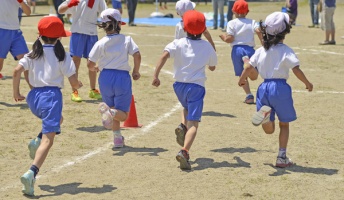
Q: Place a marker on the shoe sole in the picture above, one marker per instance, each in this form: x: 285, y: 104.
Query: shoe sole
x: 284, y: 165
x: 258, y: 117
x: 180, y: 136
x: 183, y: 163
x: 27, y: 186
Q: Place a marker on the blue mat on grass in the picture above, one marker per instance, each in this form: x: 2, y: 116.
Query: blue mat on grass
x: 161, y: 21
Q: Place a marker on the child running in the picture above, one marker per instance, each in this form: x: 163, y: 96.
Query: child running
x: 12, y: 39
x: 240, y: 35
x: 84, y: 36
x: 47, y: 65
x: 111, y: 54
x: 191, y: 55
x: 181, y: 7
x: 274, y: 95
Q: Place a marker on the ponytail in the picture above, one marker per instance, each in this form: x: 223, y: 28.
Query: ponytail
x: 37, y: 48
x: 59, y: 51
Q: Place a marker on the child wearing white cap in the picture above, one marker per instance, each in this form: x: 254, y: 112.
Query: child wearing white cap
x: 12, y: 39
x: 274, y: 96
x: 191, y: 55
x: 47, y: 65
x: 111, y: 53
x: 181, y: 7
x: 84, y: 36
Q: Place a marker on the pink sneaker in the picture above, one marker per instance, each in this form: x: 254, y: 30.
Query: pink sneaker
x: 118, y: 142
x: 107, y: 115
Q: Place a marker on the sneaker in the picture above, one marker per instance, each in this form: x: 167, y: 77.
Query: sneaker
x: 249, y: 99
x: 95, y: 94
x: 33, y: 146
x: 183, y: 158
x: 262, y: 116
x: 75, y: 96
x: 284, y: 162
x: 118, y: 141
x: 1, y: 77
x: 180, y: 133
x: 28, y: 181
x: 107, y: 115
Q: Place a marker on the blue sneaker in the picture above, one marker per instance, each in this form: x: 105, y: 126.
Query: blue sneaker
x: 28, y: 181
x: 33, y: 146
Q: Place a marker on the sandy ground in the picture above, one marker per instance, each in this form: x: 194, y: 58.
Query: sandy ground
x: 231, y: 159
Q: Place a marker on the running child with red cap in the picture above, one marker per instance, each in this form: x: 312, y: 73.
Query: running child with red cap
x: 47, y: 65
x: 191, y: 56
x: 111, y: 53
x: 12, y: 39
x: 274, y: 96
x: 240, y: 35
x: 84, y: 36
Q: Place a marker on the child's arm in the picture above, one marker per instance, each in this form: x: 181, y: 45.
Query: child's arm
x: 74, y: 82
x: 301, y: 76
x: 26, y: 8
x: 159, y: 65
x: 137, y: 62
x: 92, y: 66
x: 227, y: 38
x: 260, y: 35
x: 209, y: 38
x: 16, y: 82
x: 250, y: 72
x: 64, y: 7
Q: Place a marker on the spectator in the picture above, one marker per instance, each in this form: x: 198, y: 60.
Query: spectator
x: 131, y: 5
x: 57, y: 3
x: 328, y: 9
x: 230, y: 12
x: 313, y: 4
x: 218, y: 6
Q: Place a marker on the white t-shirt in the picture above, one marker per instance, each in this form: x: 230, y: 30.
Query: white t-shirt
x: 180, y: 33
x: 85, y: 18
x: 243, y: 31
x: 190, y: 59
x: 275, y: 62
x: 47, y: 70
x: 111, y: 52
x: 9, y: 14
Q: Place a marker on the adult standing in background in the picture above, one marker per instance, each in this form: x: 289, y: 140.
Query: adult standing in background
x: 218, y: 6
x: 328, y: 26
x: 230, y: 12
x: 131, y: 5
x: 57, y: 3
x: 313, y: 4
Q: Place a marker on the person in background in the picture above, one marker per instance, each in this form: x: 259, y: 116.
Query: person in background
x: 313, y: 4
x: 131, y: 5
x: 230, y: 4
x: 328, y: 8
x: 291, y: 6
x: 218, y: 6
x: 116, y: 4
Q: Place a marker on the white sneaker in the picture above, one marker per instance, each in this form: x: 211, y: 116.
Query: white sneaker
x: 107, y: 115
x: 28, y: 182
x: 33, y: 146
x: 262, y: 116
x: 284, y: 162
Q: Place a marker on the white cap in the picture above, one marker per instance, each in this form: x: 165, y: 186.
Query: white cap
x: 276, y: 23
x: 184, y: 5
x: 113, y: 13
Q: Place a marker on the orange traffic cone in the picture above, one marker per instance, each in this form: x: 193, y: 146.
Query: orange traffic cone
x: 131, y: 121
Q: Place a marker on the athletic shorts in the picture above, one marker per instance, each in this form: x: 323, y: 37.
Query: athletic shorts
x: 116, y: 4
x: 46, y: 103
x: 327, y: 18
x: 239, y: 51
x: 115, y: 87
x: 81, y: 44
x: 276, y: 93
x: 12, y: 41
x: 191, y: 97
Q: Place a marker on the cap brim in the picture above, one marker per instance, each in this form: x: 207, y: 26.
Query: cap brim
x: 123, y: 23
x: 68, y: 33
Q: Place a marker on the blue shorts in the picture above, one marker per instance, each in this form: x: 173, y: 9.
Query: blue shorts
x: 191, y: 97
x: 12, y: 41
x: 239, y: 51
x: 81, y: 44
x: 116, y: 4
x: 46, y: 104
x: 115, y: 87
x: 276, y: 93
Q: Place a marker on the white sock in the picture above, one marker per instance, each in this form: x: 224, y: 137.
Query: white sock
x: 117, y: 133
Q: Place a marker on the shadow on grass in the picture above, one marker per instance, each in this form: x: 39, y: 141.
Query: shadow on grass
x: 205, y: 163
x: 19, y: 105
x: 301, y: 169
x: 141, y: 151
x: 235, y: 150
x: 72, y: 188
x: 92, y: 129
x: 216, y: 114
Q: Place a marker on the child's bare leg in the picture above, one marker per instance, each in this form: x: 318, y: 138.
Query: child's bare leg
x: 43, y: 149
x: 120, y: 116
x: 77, y: 61
x: 284, y: 134
x: 269, y: 127
x: 190, y: 134
x: 246, y: 88
x: 184, y: 114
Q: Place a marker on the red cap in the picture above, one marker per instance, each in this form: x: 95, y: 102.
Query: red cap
x: 194, y: 22
x: 52, y: 27
x: 240, y: 7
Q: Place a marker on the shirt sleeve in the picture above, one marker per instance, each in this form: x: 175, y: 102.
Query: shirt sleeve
x: 171, y: 48
x: 254, y: 59
x: 291, y: 59
x: 68, y: 68
x: 213, y: 57
x: 95, y: 53
x: 25, y: 62
x: 102, y: 6
x: 230, y: 28
x: 132, y: 47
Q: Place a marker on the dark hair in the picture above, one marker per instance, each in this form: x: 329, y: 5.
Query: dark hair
x: 194, y: 37
x: 112, y: 25
x: 270, y: 40
x: 37, y: 48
